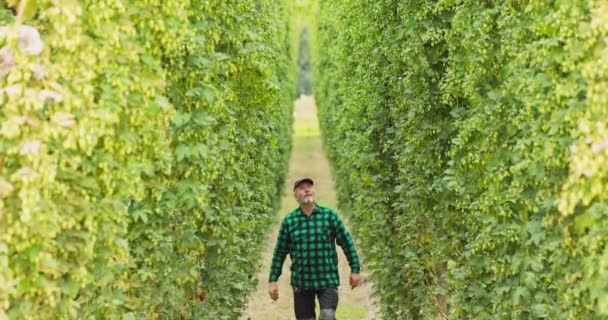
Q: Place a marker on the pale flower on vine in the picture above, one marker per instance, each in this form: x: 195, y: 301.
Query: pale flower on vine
x: 38, y: 72
x: 63, y: 119
x: 599, y: 146
x: 25, y: 172
x: 30, y: 147
x: 25, y: 120
x: 6, y: 61
x: 11, y: 91
x: 50, y: 96
x: 5, y: 187
x: 28, y: 39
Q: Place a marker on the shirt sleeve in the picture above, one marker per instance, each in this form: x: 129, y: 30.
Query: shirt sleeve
x: 344, y: 240
x: 281, y: 249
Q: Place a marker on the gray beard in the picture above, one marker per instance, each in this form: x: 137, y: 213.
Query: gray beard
x: 308, y: 200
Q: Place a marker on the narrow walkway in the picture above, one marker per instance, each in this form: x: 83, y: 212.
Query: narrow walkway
x: 308, y: 159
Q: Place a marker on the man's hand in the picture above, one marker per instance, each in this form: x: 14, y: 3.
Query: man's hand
x: 273, y: 290
x: 355, y: 280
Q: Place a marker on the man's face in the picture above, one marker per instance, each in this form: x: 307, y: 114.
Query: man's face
x: 304, y: 193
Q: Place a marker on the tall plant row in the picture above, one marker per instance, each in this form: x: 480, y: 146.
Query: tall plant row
x: 469, y: 143
x: 143, y: 148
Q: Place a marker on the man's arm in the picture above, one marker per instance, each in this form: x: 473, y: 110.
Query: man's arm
x: 344, y: 240
x: 281, y: 250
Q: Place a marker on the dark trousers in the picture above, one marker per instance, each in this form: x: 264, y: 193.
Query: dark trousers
x: 304, y: 303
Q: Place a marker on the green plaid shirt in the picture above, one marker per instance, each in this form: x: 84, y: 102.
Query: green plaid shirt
x: 311, y: 243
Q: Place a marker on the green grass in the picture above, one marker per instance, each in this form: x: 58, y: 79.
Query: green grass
x: 348, y: 312
x: 306, y: 129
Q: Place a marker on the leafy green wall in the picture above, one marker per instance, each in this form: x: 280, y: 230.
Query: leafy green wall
x: 143, y: 149
x: 468, y: 140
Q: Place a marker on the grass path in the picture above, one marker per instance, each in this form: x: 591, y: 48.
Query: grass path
x: 308, y: 159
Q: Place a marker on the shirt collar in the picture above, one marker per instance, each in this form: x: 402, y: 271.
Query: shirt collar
x: 316, y: 209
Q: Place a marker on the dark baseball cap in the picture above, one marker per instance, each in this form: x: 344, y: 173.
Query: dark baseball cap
x: 297, y: 183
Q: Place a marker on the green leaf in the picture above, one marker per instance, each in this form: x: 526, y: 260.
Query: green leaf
x: 182, y: 152
x: 582, y: 223
x: 540, y: 310
x: 181, y: 119
x: 141, y: 215
x: 202, y: 150
x: 203, y: 118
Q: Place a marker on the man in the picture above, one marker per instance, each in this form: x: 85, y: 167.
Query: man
x: 309, y: 235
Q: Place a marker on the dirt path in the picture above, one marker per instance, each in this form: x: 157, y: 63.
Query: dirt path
x: 308, y: 159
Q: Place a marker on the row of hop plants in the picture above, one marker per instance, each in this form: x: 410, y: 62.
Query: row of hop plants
x: 143, y: 148
x: 469, y: 142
